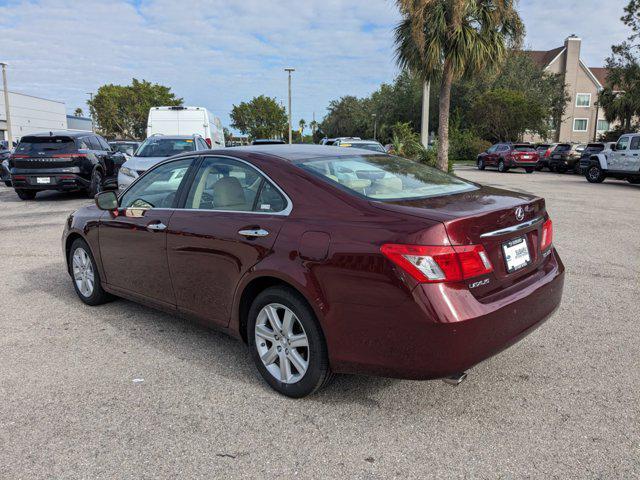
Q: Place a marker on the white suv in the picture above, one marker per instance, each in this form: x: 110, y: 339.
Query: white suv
x: 621, y: 162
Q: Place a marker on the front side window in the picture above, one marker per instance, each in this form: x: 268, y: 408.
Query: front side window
x: 158, y: 188
x: 385, y: 177
x: 623, y: 143
x: 165, y: 147
x: 580, y: 124
x: 229, y: 185
x: 583, y: 100
x: 635, y: 143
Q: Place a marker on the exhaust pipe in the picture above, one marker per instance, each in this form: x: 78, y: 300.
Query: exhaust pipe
x: 455, y: 379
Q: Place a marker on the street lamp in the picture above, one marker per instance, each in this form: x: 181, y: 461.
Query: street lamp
x: 289, y: 70
x: 375, y: 125
x: 6, y: 104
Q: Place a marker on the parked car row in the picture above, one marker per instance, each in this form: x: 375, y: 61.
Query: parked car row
x: 597, y: 160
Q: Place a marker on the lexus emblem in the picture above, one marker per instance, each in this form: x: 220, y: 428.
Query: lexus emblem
x: 519, y: 213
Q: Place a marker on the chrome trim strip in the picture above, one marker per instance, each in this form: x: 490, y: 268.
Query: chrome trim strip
x: 514, y: 228
x: 284, y: 213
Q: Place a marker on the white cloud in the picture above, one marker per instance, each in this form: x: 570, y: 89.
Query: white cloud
x: 216, y: 53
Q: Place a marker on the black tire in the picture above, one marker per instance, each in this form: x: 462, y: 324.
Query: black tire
x: 576, y: 168
x: 7, y: 183
x: 634, y: 181
x: 529, y: 170
x: 539, y: 168
x: 26, y: 194
x: 561, y: 169
x: 98, y: 296
x: 480, y: 164
x: 594, y: 174
x: 96, y: 183
x: 502, y: 168
x: 552, y: 168
x: 318, y: 372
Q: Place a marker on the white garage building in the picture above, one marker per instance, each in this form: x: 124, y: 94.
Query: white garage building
x: 31, y: 114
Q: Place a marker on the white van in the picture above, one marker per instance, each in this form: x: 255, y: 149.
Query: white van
x: 186, y: 121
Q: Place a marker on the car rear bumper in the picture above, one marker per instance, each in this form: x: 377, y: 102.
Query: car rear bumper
x: 445, y: 330
x: 28, y: 180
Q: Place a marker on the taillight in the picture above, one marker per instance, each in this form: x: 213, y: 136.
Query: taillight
x: 69, y: 155
x: 547, y: 153
x: 208, y: 140
x: 547, y: 235
x: 428, y: 264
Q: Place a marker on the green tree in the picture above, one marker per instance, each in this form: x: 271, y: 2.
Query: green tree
x: 347, y: 117
x: 448, y: 39
x: 122, y: 110
x: 302, y: 124
x: 620, y: 97
x: 78, y: 112
x: 505, y: 115
x: 261, y: 117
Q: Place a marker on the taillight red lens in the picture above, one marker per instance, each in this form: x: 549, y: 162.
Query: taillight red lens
x: 428, y: 264
x: 208, y: 140
x: 547, y: 235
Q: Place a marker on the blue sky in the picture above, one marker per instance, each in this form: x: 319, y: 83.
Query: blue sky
x: 217, y: 53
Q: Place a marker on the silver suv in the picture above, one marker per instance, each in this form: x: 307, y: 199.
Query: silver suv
x: 155, y: 149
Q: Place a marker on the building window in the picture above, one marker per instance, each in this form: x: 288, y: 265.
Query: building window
x: 583, y: 100
x: 580, y: 124
x: 603, y: 126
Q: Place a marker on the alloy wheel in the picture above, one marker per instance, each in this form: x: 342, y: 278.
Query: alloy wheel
x: 83, y: 273
x: 594, y: 173
x: 282, y: 343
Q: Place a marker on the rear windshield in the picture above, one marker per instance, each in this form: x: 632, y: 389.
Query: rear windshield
x: 45, y: 146
x: 385, y: 177
x: 524, y: 148
x: 165, y: 147
x: 563, y: 147
x: 595, y: 147
x: 543, y: 147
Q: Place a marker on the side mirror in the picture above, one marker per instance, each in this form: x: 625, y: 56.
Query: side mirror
x: 107, y: 201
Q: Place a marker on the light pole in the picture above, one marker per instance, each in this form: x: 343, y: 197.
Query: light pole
x: 424, y: 129
x: 375, y: 125
x: 6, y: 104
x: 91, y: 114
x: 289, y: 70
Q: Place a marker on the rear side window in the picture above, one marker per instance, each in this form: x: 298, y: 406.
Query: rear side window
x: 385, y: 177
x: 563, y: 147
x: 45, y: 146
x: 103, y: 144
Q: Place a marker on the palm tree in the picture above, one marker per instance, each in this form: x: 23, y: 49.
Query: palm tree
x: 447, y: 39
x: 302, y: 124
x: 78, y: 112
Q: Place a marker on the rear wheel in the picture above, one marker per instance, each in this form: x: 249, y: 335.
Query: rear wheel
x: 84, y: 273
x: 561, y: 168
x: 480, y: 164
x: 502, y: 168
x: 7, y: 183
x: 286, y: 343
x: 96, y: 184
x: 26, y: 194
x: 595, y: 174
x: 529, y: 170
x: 634, y: 181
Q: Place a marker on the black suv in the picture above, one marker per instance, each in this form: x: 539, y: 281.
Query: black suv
x: 63, y: 160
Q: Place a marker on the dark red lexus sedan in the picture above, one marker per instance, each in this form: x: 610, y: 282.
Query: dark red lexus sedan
x: 325, y: 259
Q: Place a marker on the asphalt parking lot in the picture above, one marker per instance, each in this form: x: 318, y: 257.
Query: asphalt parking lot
x: 123, y: 391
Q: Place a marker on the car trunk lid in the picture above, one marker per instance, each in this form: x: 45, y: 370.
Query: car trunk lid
x: 490, y: 217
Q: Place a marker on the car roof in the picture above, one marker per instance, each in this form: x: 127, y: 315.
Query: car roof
x: 61, y: 133
x: 172, y: 137
x: 292, y: 153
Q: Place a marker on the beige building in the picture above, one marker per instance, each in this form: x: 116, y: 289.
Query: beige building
x: 583, y: 121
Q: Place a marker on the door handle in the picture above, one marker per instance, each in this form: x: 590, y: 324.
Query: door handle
x: 156, y: 227
x: 260, y: 232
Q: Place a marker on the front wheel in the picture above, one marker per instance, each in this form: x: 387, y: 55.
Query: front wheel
x: 286, y: 343
x: 480, y: 164
x: 502, y: 168
x: 26, y: 194
x: 84, y: 273
x: 595, y: 174
x: 8, y: 183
